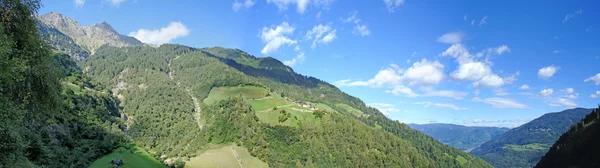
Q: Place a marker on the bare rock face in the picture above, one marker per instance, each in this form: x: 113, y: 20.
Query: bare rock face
x: 88, y: 37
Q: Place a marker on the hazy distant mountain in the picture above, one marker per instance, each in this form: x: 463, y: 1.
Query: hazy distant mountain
x: 524, y: 146
x: 89, y: 38
x: 462, y: 137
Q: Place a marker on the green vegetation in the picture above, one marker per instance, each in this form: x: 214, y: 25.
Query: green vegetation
x: 132, y: 157
x: 578, y: 147
x: 349, y: 109
x: 461, y: 137
x: 225, y: 157
x: 248, y: 92
x: 527, y: 147
x: 43, y: 124
x: 522, y: 146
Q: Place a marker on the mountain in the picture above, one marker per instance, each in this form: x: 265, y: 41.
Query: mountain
x: 525, y: 145
x: 88, y: 38
x: 577, y: 147
x: 462, y: 137
x: 180, y: 105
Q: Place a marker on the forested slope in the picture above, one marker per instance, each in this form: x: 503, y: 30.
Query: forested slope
x: 525, y: 145
x: 578, y: 147
x: 458, y: 136
x: 157, y: 86
x: 49, y: 117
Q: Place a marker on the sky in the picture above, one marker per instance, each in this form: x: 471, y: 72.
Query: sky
x: 475, y: 63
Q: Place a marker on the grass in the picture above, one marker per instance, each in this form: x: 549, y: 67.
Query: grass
x: 352, y: 110
x: 224, y: 157
x: 458, y: 158
x: 249, y: 92
x: 268, y: 103
x: 527, y: 147
x: 76, y: 89
x: 135, y: 157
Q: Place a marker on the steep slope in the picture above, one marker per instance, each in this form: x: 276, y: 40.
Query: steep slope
x: 577, y: 147
x: 524, y: 146
x: 61, y: 42
x: 89, y: 38
x: 156, y: 87
x: 458, y: 136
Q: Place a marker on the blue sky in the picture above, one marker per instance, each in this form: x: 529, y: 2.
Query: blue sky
x: 493, y: 63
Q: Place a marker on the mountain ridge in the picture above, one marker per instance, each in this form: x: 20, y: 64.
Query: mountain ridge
x: 462, y: 137
x: 523, y: 146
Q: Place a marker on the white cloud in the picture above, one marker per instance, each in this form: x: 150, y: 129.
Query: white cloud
x: 359, y: 29
x: 524, y: 87
x: 318, y: 15
x: 480, y: 72
x: 563, y: 102
x: 391, y: 5
x: 546, y: 92
x: 296, y: 60
x: 547, y: 72
x: 276, y: 37
x: 163, y: 35
x: 424, y: 73
x: 595, y: 95
x: 451, y: 38
x: 440, y: 105
x: 321, y: 34
x: 445, y: 93
x: 403, y: 90
x: 497, y: 102
x: 571, y: 15
x: 384, y: 108
x: 483, y: 21
x: 473, y: 22
x: 237, y: 5
x: 301, y: 5
x: 569, y: 90
x: 594, y: 79
x: 116, y: 2
x: 297, y: 48
x: 79, y: 3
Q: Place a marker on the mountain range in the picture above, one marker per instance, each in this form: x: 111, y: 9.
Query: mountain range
x: 462, y: 137
x: 523, y: 146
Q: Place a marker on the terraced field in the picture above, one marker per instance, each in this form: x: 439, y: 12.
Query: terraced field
x: 225, y: 157
x: 132, y: 158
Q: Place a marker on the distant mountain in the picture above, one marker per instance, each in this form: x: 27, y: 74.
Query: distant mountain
x: 462, y: 137
x: 578, y: 147
x: 88, y: 38
x: 524, y: 146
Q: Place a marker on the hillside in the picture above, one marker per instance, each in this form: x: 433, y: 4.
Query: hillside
x: 577, y: 147
x: 160, y: 90
x: 462, y: 137
x: 525, y: 145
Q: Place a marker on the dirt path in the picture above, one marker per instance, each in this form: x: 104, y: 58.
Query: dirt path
x: 264, y: 98
x: 237, y: 156
x: 196, y: 108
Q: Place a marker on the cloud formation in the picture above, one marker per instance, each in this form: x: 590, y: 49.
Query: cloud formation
x: 497, y: 102
x: 116, y: 2
x: 391, y: 5
x: 79, y: 3
x: 451, y: 38
x: 546, y: 92
x: 440, y: 105
x: 301, y: 5
x: 595, y: 95
x: 237, y: 5
x: 593, y: 79
x: 384, y: 108
x: 547, y: 72
x: 571, y: 15
x: 321, y: 34
x: 359, y: 29
x: 163, y: 35
x: 275, y: 37
x: 478, y: 71
x: 524, y: 87
x: 296, y: 60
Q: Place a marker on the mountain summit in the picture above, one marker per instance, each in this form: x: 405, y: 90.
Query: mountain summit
x: 89, y: 38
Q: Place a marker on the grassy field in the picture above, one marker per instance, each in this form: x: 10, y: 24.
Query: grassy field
x: 249, y: 92
x: 268, y: 103
x: 527, y: 147
x: 352, y: 110
x: 73, y: 87
x: 224, y: 157
x: 137, y: 157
